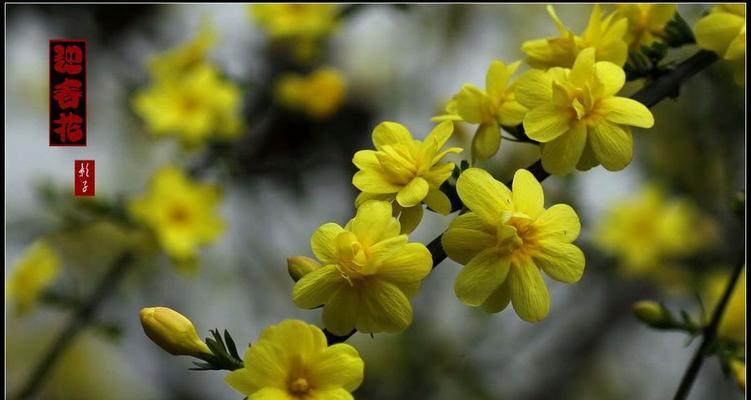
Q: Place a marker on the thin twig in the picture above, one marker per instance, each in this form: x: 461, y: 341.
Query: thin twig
x: 77, y: 323
x: 710, y: 333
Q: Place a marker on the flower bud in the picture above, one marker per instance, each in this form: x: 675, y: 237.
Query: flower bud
x: 652, y: 314
x: 299, y: 266
x: 172, y: 332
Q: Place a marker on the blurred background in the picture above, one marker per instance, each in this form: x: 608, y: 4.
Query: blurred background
x: 289, y: 170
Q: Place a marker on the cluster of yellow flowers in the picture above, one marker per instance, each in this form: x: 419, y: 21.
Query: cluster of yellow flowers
x: 188, y: 97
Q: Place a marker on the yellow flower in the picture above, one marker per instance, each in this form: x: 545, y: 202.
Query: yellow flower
x: 181, y: 213
x: 319, y: 95
x: 172, y: 331
x: 196, y: 105
x: 723, y: 31
x: 31, y: 274
x: 494, y: 106
x: 176, y: 61
x: 605, y: 35
x: 505, y: 241
x: 369, y: 273
x: 576, y: 116
x: 646, y: 22
x: 284, y: 21
x: 406, y: 170
x: 733, y: 323
x: 292, y: 361
x: 648, y: 230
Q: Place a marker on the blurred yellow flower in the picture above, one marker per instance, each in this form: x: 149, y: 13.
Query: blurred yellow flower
x: 196, y: 105
x: 182, y: 213
x: 406, y: 170
x: 723, y: 31
x: 172, y: 331
x: 506, y: 239
x: 299, y: 26
x: 733, y: 323
x: 319, y: 95
x: 176, y: 61
x: 369, y: 273
x: 31, y: 274
x: 648, y: 230
x: 605, y: 35
x: 646, y: 22
x: 576, y: 116
x: 285, y: 21
x: 292, y: 361
x: 494, y: 106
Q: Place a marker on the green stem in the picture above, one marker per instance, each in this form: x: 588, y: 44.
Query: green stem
x: 82, y: 318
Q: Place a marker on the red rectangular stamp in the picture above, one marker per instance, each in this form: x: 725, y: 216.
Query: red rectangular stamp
x: 84, y: 177
x: 67, y: 92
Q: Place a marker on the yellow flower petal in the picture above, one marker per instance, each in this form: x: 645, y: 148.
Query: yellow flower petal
x: 462, y: 245
x: 413, y: 193
x: 587, y: 160
x: 342, y: 310
x: 384, y: 249
x: 737, y: 48
x: 409, y: 218
x: 560, y: 156
x: 366, y: 159
x: 323, y: 242
x: 365, y: 196
x: 558, y: 222
x: 534, y: 88
x: 390, y: 133
x: 483, y: 195
x: 438, y: 174
x: 471, y: 105
x: 411, y: 263
x: 316, y: 288
x: 338, y: 366
x: 481, y: 276
x: 384, y: 308
x: 529, y: 295
x: 497, y: 78
x: 498, y: 300
x: 527, y: 194
x: 611, y: 76
x: 716, y: 31
x: 439, y: 135
x: 563, y: 262
x: 511, y: 113
x: 438, y: 201
x: 373, y: 223
x: 330, y: 394
x: 547, y: 122
x: 486, y: 141
x: 625, y: 111
x: 612, y: 145
x: 372, y: 182
x: 583, y: 66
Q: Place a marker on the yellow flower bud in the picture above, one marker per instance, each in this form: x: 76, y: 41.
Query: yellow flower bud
x: 172, y: 332
x: 651, y: 313
x: 299, y: 266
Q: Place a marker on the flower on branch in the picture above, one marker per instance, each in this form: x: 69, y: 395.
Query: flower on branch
x: 369, y: 273
x: 506, y: 240
x: 576, y: 115
x: 723, y: 31
x: 405, y: 171
x: 291, y: 360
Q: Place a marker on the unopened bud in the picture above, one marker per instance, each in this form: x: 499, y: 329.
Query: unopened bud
x: 652, y: 314
x: 299, y: 266
x: 171, y: 331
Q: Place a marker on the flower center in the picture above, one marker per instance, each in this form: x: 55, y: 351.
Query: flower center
x: 299, y: 386
x: 516, y: 236
x: 179, y: 215
x: 354, y: 258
